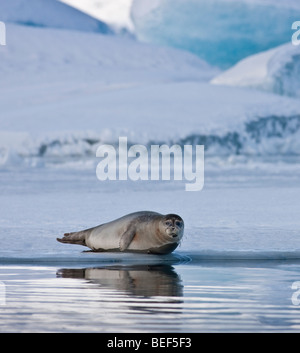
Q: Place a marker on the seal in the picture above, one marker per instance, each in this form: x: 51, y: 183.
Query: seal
x: 143, y: 232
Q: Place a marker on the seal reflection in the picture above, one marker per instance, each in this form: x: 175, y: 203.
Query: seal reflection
x: 137, y: 280
x: 158, y: 284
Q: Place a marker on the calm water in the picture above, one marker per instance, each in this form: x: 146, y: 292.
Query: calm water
x: 46, y: 286
x: 213, y: 296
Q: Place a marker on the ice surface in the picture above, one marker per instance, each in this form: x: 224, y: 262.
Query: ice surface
x: 220, y: 32
x: 242, y: 215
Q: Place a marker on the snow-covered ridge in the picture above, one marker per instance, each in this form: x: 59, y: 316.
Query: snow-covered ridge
x: 276, y: 70
x: 49, y: 13
x: 262, y: 136
x: 32, y: 53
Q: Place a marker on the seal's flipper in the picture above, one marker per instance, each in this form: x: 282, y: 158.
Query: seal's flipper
x: 126, y: 238
x: 76, y: 237
x: 73, y: 238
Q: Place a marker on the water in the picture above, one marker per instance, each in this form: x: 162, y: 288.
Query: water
x: 208, y: 297
x: 237, y: 270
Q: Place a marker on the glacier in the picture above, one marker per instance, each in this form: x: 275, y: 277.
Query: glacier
x: 220, y: 32
x: 69, y: 102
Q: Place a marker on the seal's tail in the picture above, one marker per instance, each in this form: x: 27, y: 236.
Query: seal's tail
x: 74, y: 238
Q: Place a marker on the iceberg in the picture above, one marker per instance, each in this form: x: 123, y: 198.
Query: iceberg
x: 222, y: 32
x: 276, y: 70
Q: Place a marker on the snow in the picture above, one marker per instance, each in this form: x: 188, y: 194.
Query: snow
x: 49, y: 79
x: 72, y: 97
x: 49, y: 13
x: 276, y: 70
x: 61, y: 100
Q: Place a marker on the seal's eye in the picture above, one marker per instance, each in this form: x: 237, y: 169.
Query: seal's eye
x: 178, y: 223
x: 168, y: 223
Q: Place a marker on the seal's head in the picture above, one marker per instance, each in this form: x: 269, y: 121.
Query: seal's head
x: 173, y: 227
